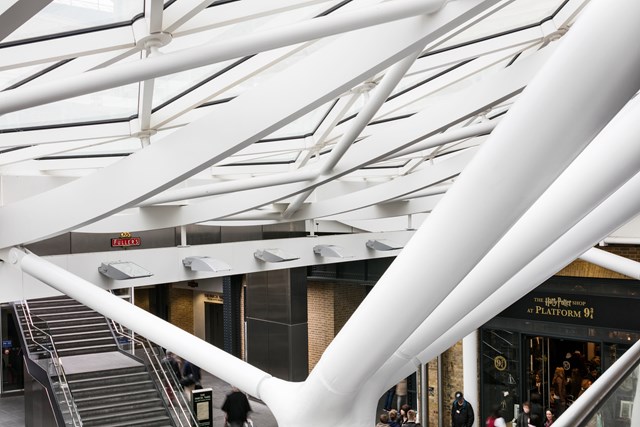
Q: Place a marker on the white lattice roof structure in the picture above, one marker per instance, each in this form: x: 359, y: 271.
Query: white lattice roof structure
x: 508, y: 129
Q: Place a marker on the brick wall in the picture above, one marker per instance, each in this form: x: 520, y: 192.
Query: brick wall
x: 141, y: 298
x: 579, y: 268
x: 329, y: 306
x: 181, y: 309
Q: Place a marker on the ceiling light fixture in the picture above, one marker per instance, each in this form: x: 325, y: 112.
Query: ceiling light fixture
x: 205, y: 263
x: 123, y: 270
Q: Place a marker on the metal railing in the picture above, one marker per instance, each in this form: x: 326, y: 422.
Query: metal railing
x: 163, y: 375
x: 53, y: 366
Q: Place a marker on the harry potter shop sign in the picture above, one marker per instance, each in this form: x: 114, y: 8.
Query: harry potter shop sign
x: 587, y: 310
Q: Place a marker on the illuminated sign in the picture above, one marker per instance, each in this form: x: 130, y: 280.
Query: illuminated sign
x: 125, y: 240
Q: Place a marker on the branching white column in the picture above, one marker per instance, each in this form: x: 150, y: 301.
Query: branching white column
x: 497, y: 187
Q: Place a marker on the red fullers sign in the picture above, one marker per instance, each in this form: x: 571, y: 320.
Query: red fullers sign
x: 125, y: 240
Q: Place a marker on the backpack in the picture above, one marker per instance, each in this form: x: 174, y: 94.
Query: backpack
x: 491, y: 422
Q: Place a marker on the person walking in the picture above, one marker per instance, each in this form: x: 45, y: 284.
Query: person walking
x: 461, y: 412
x: 495, y: 419
x: 236, y: 407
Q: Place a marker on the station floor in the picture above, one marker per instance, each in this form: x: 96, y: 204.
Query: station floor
x: 12, y: 407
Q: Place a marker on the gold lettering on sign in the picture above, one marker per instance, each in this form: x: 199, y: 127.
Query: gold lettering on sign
x: 500, y: 363
x: 561, y: 307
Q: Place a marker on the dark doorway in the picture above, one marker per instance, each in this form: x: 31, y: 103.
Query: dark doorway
x: 559, y: 370
x: 12, y: 369
x: 214, y: 324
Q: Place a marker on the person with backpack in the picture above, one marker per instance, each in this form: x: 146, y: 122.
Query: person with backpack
x: 495, y: 419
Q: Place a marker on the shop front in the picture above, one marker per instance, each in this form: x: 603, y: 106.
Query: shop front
x: 553, y: 343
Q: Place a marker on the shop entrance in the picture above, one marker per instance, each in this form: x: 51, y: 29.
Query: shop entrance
x: 214, y: 324
x: 558, y: 370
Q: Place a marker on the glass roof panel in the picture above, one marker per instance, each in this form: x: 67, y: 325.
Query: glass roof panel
x: 72, y: 15
x: 168, y: 87
x: 517, y: 14
x: 115, y: 103
x: 12, y: 76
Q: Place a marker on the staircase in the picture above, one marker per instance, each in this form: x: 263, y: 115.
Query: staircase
x: 108, y: 387
x: 75, y: 328
x: 118, y: 397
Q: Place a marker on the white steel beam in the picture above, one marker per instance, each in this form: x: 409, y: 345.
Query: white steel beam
x: 364, y: 116
x: 181, y: 12
x: 399, y: 187
x: 450, y: 110
x: 221, y: 84
x: 222, y: 364
x: 618, y: 209
x: 52, y: 50
x: 209, y: 53
x: 616, y: 157
x: 612, y: 262
x: 65, y: 134
x: 223, y: 15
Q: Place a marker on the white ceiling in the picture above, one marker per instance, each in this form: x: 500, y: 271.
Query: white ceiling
x: 253, y: 112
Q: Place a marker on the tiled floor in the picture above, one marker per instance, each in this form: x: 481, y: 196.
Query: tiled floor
x: 12, y: 411
x: 12, y: 408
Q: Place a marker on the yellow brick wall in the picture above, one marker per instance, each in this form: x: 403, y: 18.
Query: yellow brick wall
x: 329, y: 306
x: 579, y: 268
x: 141, y: 298
x: 181, y: 309
x: 320, y: 319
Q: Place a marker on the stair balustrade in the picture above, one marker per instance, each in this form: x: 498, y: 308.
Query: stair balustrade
x: 37, y: 332
x: 162, y: 373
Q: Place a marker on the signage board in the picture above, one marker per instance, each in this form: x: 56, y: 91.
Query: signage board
x: 202, y: 402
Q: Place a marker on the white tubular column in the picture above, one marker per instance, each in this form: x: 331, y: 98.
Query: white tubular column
x: 211, y: 359
x: 498, y: 186
x: 470, y: 356
x: 611, y: 160
x: 613, y: 262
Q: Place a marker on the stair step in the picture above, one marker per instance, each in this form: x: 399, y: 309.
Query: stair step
x: 122, y: 406
x: 109, y: 372
x: 79, y: 313
x: 84, y: 342
x: 109, y: 379
x: 61, y: 308
x: 61, y: 337
x: 86, y: 350
x: 84, y: 327
x: 158, y: 421
x: 129, y: 416
x: 82, y: 401
x: 110, y: 389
